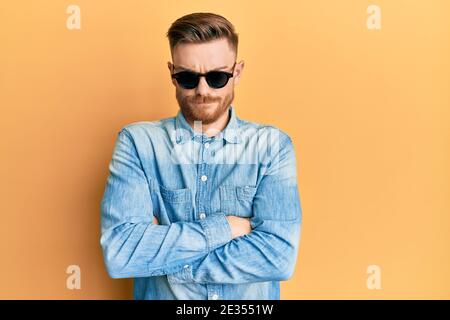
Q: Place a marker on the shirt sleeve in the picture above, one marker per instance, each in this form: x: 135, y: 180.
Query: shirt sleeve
x: 269, y: 251
x: 132, y: 245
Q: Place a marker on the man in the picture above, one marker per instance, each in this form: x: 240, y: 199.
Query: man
x: 203, y: 205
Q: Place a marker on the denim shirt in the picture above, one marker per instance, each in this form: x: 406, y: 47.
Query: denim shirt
x: 190, y: 182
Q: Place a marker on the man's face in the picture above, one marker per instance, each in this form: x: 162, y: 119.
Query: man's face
x: 204, y: 103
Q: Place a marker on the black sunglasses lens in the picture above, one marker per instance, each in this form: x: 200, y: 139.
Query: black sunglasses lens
x: 187, y: 80
x: 190, y: 80
x: 217, y: 79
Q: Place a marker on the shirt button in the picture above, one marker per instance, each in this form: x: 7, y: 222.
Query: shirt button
x: 202, y: 216
x: 204, y: 178
x: 215, y: 296
x: 207, y: 145
x: 186, y: 266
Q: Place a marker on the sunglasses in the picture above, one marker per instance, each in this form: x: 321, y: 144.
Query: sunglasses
x: 215, y: 79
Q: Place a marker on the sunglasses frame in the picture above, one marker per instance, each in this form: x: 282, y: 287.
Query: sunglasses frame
x: 198, y: 75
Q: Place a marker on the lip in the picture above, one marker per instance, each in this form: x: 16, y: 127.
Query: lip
x: 202, y: 103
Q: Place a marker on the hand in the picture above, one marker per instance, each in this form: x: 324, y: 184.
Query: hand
x: 155, y: 221
x: 239, y: 226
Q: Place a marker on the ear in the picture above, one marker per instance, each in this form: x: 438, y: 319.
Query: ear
x: 238, y: 72
x: 170, y: 66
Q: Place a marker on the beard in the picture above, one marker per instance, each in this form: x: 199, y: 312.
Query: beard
x: 207, y: 114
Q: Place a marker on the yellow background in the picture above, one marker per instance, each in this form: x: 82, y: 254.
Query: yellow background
x: 368, y: 111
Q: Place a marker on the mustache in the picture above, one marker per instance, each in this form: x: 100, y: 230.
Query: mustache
x: 203, y: 99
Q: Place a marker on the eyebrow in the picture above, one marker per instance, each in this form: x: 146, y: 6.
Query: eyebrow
x: 187, y: 69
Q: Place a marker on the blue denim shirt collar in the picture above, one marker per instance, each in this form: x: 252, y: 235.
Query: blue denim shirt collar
x: 184, y: 132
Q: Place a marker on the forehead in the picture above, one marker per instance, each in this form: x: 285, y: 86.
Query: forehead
x: 204, y: 56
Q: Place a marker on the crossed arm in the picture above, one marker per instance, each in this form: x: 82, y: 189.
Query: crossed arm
x: 217, y: 249
x: 239, y: 226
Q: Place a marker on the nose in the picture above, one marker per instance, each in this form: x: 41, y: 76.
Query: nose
x: 203, y: 87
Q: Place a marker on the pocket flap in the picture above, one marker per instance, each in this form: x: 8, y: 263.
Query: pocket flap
x: 246, y: 192
x: 237, y: 192
x: 175, y: 195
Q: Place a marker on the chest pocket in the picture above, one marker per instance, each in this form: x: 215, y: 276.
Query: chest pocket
x: 237, y: 200
x: 177, y: 203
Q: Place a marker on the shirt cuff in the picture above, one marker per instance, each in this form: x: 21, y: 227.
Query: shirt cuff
x: 217, y: 230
